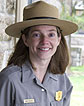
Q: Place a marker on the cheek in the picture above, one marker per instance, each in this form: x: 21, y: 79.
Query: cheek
x: 56, y: 42
x: 32, y: 43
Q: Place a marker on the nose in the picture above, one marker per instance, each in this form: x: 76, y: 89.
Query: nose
x: 44, y: 40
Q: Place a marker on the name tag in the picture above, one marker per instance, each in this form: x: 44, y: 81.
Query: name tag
x: 29, y: 101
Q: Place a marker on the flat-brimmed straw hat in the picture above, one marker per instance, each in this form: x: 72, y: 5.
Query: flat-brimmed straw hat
x: 40, y: 13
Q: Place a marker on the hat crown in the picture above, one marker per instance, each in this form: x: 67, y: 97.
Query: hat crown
x: 40, y: 9
x: 41, y: 13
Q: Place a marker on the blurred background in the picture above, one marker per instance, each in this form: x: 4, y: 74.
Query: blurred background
x: 11, y: 11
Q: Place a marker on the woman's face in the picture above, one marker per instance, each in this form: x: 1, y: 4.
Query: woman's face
x: 42, y: 42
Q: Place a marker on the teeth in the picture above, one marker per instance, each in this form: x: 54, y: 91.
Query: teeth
x: 44, y: 48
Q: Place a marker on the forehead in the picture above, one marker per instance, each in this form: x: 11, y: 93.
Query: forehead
x: 43, y: 27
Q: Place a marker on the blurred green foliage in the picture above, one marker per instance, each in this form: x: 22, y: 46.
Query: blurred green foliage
x: 71, y: 15
x: 77, y: 68
x: 77, y: 97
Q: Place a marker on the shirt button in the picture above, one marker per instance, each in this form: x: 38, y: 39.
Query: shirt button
x: 42, y: 90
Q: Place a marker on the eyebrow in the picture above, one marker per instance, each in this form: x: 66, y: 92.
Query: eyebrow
x: 52, y: 30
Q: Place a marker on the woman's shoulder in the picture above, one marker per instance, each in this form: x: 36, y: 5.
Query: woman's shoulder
x: 65, y: 79
x: 62, y: 76
x: 9, y: 71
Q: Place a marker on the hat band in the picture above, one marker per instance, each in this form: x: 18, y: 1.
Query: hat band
x: 41, y: 18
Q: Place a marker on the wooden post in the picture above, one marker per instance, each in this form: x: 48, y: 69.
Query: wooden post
x: 19, y: 13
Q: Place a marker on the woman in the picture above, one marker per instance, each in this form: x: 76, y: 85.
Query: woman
x: 35, y: 74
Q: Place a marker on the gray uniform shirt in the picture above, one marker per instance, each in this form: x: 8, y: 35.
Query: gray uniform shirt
x: 20, y: 87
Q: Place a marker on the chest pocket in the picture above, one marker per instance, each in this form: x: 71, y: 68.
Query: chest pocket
x: 56, y: 103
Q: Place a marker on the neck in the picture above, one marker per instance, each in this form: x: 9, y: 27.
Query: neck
x: 41, y: 65
x: 40, y: 68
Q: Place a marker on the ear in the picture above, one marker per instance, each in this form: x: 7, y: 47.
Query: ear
x: 59, y: 39
x: 25, y: 40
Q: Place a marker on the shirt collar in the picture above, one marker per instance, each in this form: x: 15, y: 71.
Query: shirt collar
x: 27, y: 72
x: 53, y: 76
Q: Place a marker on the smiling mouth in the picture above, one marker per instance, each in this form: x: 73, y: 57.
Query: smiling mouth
x: 44, y: 49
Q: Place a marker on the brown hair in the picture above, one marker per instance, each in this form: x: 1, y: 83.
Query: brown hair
x: 59, y: 60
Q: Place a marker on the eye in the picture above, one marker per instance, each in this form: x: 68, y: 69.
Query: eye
x: 36, y: 35
x: 52, y: 34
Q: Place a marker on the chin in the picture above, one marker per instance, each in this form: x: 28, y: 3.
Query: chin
x: 45, y: 58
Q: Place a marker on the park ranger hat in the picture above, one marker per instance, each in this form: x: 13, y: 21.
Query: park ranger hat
x: 40, y: 13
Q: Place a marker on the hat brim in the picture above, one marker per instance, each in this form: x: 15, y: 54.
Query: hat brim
x: 67, y: 27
